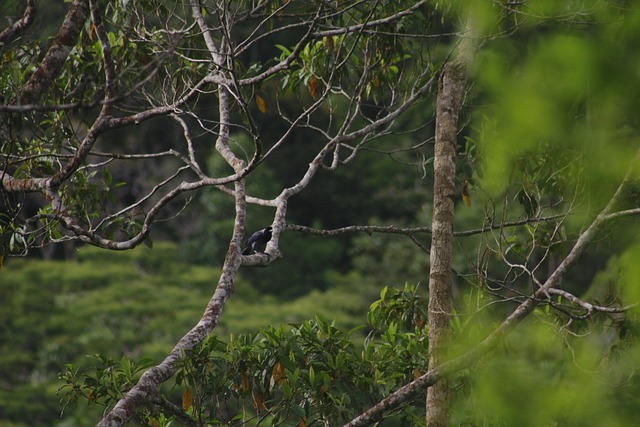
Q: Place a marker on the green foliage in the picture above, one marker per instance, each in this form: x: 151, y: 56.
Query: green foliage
x: 108, y: 383
x: 627, y: 271
x: 404, y: 309
x: 312, y: 372
x: 337, y: 60
x: 571, y: 377
x: 553, y: 104
x: 137, y: 302
x: 307, y: 372
x: 307, y: 369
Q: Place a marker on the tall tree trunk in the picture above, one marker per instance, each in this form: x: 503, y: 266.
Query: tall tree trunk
x: 450, y: 93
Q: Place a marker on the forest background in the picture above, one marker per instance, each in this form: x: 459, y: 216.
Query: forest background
x: 548, y: 131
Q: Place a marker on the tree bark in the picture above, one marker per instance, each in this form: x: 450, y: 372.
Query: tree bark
x: 57, y: 54
x: 449, y: 101
x: 19, y: 26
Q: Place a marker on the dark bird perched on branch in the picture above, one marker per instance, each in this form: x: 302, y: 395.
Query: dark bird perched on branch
x: 257, y: 242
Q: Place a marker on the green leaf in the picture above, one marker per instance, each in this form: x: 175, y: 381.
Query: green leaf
x: 298, y: 410
x: 125, y: 365
x: 312, y: 376
x: 106, y: 177
x: 283, y: 49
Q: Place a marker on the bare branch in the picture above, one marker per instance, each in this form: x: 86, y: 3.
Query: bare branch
x: 23, y: 108
x: 371, y: 24
x: 391, y: 229
x: 588, y: 307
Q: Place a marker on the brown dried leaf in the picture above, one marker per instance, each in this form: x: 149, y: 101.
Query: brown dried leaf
x: 245, y: 381
x: 262, y: 106
x: 312, y: 87
x: 466, y: 198
x: 187, y: 399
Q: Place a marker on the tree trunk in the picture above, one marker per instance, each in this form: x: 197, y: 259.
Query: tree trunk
x: 450, y: 93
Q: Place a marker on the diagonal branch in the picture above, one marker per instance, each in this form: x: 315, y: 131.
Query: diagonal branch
x: 147, y: 388
x: 57, y: 54
x: 374, y: 23
x: 443, y: 370
x: 21, y: 24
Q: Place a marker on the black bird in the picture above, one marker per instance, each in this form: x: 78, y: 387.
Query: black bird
x: 257, y: 242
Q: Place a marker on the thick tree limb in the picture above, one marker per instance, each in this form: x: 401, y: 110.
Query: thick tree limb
x: 57, y: 54
x: 21, y: 24
x: 147, y: 388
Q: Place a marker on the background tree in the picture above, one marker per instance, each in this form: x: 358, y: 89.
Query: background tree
x: 450, y: 92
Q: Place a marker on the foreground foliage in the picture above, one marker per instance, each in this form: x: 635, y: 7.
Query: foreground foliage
x: 312, y: 373
x: 134, y: 303
x: 314, y: 370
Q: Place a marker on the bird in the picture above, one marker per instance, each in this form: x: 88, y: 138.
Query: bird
x: 257, y: 242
